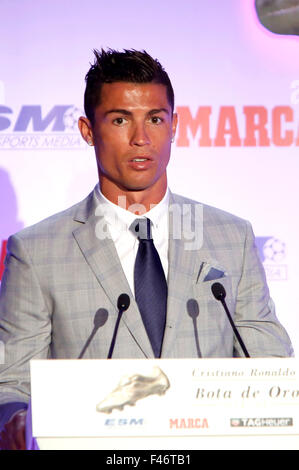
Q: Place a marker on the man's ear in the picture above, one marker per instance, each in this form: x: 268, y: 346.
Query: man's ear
x: 174, y: 125
x: 85, y: 129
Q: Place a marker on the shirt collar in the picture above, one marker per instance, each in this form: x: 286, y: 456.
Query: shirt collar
x: 116, y: 213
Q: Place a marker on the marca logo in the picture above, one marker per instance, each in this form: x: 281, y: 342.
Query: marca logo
x: 259, y: 126
x: 272, y: 252
x: 33, y: 128
x: 188, y: 423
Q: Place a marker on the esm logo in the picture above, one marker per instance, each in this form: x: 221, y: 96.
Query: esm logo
x: 32, y: 127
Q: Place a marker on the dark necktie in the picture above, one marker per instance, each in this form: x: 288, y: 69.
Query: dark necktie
x: 150, y: 285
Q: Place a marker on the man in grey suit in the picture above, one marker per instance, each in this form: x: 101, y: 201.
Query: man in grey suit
x: 60, y: 272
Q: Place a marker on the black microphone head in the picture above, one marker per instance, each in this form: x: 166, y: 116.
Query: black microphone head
x: 218, y: 291
x: 193, y: 308
x: 100, y: 317
x: 123, y: 302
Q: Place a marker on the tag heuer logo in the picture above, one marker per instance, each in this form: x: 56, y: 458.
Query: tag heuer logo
x: 260, y: 422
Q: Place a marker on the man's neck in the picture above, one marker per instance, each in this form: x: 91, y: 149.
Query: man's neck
x: 138, y: 202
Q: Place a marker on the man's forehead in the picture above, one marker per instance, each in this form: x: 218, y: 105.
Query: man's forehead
x: 134, y: 94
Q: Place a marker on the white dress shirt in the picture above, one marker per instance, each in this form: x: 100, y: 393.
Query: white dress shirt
x: 119, y: 220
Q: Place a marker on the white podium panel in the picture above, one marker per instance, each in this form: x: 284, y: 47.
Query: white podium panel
x: 166, y: 404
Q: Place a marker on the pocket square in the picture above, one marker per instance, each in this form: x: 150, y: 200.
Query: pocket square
x: 214, y: 274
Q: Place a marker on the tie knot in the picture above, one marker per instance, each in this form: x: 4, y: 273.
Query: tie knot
x: 142, y: 229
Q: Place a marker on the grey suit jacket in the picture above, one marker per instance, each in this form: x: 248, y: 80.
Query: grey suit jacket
x: 58, y: 274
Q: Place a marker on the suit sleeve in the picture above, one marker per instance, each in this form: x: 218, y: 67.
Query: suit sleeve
x: 25, y: 323
x: 255, y: 316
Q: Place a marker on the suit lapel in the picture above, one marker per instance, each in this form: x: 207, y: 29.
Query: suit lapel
x: 191, y: 264
x: 103, y: 259
x: 184, y: 265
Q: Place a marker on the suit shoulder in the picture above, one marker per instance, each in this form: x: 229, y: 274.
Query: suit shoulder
x: 55, y: 224
x: 212, y: 214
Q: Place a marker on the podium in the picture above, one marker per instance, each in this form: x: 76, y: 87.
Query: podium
x: 174, y: 404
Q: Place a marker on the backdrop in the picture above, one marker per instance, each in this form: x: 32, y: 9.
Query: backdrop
x: 237, y: 95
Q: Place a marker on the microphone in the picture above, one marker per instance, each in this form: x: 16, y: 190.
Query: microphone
x: 193, y: 312
x: 99, y: 320
x: 123, y: 303
x: 220, y: 294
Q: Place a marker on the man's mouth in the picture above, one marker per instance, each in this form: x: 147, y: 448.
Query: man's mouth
x: 139, y: 159
x: 141, y: 162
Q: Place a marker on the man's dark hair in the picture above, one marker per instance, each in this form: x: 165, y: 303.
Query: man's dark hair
x: 128, y: 66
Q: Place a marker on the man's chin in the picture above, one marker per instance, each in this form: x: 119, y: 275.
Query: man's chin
x: 141, y: 185
x: 135, y: 189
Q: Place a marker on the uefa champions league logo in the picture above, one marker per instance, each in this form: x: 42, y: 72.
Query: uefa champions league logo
x: 273, y: 256
x: 274, y: 250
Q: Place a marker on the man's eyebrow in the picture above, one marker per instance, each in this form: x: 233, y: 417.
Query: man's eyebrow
x: 157, y: 111
x: 119, y: 111
x: 129, y: 113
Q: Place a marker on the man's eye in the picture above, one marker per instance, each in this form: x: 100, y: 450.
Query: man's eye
x: 119, y: 121
x: 156, y: 119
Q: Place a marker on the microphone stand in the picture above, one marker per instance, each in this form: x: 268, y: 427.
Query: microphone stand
x: 219, y: 294
x: 122, y: 305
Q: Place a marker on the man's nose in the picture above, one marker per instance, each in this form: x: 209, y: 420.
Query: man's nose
x: 140, y: 135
